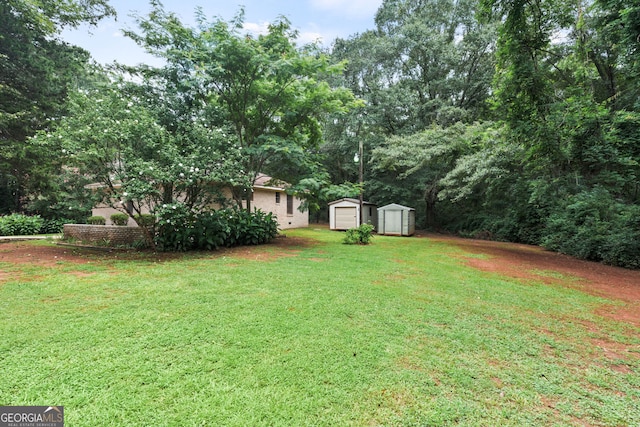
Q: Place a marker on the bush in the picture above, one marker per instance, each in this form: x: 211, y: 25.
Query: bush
x: 20, y: 225
x: 250, y: 228
x: 119, y: 219
x: 51, y: 226
x: 179, y: 229
x: 594, y: 226
x: 96, y: 220
x: 145, y: 220
x: 359, y: 236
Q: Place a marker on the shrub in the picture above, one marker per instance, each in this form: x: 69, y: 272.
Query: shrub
x: 96, y: 220
x: 20, y: 225
x: 250, y: 228
x: 594, y: 226
x: 119, y: 219
x: 174, y: 231
x: 179, y: 229
x: 145, y: 220
x: 359, y: 236
x: 50, y: 226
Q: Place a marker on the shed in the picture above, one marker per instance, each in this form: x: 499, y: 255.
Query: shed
x: 345, y: 214
x: 396, y: 220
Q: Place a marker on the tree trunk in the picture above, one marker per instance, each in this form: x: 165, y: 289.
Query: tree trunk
x: 431, y: 198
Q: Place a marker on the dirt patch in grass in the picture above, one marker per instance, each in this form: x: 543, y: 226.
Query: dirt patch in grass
x: 535, y: 263
x: 42, y: 255
x: 278, y: 248
x: 20, y: 253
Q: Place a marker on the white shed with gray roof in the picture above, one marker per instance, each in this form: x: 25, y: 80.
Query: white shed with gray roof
x: 345, y: 214
x: 396, y: 220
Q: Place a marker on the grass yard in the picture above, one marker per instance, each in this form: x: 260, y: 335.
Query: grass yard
x: 402, y: 332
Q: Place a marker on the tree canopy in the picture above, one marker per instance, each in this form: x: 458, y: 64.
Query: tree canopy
x: 272, y: 93
x: 223, y: 109
x: 37, y: 71
x: 508, y: 119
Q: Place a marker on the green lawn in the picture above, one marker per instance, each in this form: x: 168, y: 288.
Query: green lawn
x: 397, y: 333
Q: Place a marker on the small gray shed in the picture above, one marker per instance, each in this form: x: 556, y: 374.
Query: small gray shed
x: 396, y: 220
x: 345, y: 214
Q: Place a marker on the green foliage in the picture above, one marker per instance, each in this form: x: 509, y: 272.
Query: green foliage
x: 181, y: 229
x: 62, y: 197
x: 593, y: 225
x: 51, y: 226
x: 439, y: 163
x: 119, y: 219
x: 319, y: 190
x: 159, y: 159
x: 145, y: 220
x: 37, y: 71
x: 361, y: 235
x: 271, y: 93
x: 96, y: 220
x: 20, y: 225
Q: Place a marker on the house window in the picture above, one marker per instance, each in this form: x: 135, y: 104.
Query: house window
x: 277, y: 198
x: 289, y: 204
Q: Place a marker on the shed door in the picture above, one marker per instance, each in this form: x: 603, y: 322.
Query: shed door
x: 346, y: 218
x: 393, y: 222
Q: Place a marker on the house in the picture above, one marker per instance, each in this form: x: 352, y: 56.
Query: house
x: 265, y: 196
x: 274, y: 199
x: 345, y: 214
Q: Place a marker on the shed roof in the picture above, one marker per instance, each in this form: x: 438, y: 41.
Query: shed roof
x: 348, y: 199
x: 395, y: 207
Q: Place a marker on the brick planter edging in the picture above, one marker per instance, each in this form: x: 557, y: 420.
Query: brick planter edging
x: 110, y: 235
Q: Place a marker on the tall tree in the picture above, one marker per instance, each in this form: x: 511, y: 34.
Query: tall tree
x: 427, y: 63
x: 37, y: 70
x: 138, y: 153
x: 272, y: 92
x: 443, y: 56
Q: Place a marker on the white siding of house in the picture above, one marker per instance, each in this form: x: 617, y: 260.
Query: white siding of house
x: 263, y: 198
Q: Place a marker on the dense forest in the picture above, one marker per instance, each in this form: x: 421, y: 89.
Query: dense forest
x: 508, y: 120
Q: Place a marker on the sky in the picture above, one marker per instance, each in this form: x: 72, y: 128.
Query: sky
x: 322, y: 20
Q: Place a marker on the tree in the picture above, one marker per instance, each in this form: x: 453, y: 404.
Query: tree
x: 427, y: 64
x: 37, y: 71
x: 436, y: 164
x: 115, y: 137
x: 272, y: 93
x: 444, y: 56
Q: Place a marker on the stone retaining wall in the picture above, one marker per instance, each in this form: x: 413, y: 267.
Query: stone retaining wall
x: 107, y: 235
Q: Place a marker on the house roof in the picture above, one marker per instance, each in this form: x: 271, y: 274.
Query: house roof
x: 354, y: 201
x: 268, y: 183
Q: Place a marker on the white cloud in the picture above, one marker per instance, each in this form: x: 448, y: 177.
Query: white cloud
x: 353, y: 8
x: 256, y: 29
x: 306, y: 37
